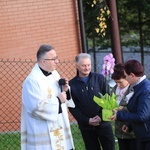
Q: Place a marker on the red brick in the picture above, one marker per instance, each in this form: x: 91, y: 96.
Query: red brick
x: 28, y: 23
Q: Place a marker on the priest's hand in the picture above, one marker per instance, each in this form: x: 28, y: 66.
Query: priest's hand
x: 66, y: 86
x: 62, y: 96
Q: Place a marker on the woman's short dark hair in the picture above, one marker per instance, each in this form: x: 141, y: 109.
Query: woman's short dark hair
x: 135, y: 67
x: 118, y: 72
x: 43, y: 50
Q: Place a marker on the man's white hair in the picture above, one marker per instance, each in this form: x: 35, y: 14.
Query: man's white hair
x: 82, y: 55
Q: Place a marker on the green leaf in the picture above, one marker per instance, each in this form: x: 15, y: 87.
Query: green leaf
x: 106, y: 114
x: 99, y: 101
x: 106, y: 101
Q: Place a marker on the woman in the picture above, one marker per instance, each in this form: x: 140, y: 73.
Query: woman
x: 138, y: 105
x: 126, y: 141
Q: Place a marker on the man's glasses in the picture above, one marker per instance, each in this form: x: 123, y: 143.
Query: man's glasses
x: 54, y: 59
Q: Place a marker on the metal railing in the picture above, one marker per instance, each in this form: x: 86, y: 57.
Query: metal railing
x: 12, y: 75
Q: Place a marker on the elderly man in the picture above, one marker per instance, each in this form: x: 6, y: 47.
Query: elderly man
x: 96, y: 133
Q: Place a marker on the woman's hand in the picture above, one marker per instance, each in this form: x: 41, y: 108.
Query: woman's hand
x: 114, y: 117
x: 125, y: 128
x: 62, y: 96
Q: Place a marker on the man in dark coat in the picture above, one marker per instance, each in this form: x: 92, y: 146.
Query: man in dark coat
x: 96, y: 133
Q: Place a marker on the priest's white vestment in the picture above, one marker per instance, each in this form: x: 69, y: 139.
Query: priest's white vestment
x: 42, y: 127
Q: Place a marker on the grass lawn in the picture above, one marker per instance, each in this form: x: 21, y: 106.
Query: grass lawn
x: 11, y: 141
x: 79, y: 145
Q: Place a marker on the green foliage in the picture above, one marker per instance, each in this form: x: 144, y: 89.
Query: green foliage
x: 10, y: 141
x: 133, y: 17
x: 96, y: 13
x: 108, y: 103
x: 77, y: 137
x: 128, y: 16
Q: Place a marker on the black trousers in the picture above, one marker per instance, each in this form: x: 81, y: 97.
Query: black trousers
x: 128, y: 144
x: 145, y: 145
x: 100, y: 136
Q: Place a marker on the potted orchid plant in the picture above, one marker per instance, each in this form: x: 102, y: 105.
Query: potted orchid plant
x: 107, y: 71
x: 108, y: 101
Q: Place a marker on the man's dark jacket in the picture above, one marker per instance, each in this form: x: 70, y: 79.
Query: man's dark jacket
x: 83, y: 94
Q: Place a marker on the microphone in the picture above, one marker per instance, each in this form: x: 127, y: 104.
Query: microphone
x: 61, y: 83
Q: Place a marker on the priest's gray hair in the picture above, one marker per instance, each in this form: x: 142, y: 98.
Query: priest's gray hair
x: 43, y: 49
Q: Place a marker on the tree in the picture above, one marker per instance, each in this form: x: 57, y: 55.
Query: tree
x: 96, y: 13
x: 134, y: 22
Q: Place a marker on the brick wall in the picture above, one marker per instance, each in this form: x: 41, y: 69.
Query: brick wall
x: 26, y: 24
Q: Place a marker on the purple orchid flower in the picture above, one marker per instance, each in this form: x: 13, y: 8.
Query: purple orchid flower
x: 107, y: 67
